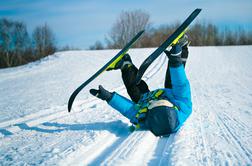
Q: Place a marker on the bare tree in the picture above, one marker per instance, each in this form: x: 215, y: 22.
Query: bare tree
x: 197, y: 34
x: 159, y: 35
x: 21, y: 42
x: 5, y: 40
x: 14, y: 41
x: 97, y: 46
x: 44, y: 40
x: 211, y: 35
x: 127, y: 25
x: 16, y: 47
x: 230, y: 37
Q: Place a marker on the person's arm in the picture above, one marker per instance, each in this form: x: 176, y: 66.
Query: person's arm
x: 123, y: 105
x: 118, y: 102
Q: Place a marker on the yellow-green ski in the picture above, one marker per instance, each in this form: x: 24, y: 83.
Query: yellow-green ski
x: 108, y: 65
x: 179, y: 32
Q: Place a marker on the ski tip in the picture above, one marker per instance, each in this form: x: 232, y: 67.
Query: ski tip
x: 196, y: 12
x: 141, y: 32
x: 198, y: 9
x: 70, y: 103
x: 69, y: 108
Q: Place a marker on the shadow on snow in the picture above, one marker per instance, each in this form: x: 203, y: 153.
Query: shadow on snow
x: 113, y: 127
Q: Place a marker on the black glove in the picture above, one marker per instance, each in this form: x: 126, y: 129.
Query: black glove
x: 174, y: 55
x: 102, y: 93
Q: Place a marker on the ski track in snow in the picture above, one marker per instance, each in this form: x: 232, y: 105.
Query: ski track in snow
x: 31, y: 121
x: 234, y: 153
x: 59, y: 112
x: 217, y: 133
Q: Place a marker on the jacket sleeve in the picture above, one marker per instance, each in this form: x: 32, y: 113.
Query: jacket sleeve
x: 181, y: 92
x: 123, y: 105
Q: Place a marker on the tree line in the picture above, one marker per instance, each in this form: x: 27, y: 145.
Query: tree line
x: 17, y: 47
x: 200, y: 33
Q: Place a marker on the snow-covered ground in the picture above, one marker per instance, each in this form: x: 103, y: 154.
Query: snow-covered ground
x: 36, y: 129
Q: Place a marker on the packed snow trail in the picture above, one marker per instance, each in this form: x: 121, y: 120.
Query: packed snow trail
x: 35, y: 128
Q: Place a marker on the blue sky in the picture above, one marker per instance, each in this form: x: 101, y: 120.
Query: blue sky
x: 80, y: 23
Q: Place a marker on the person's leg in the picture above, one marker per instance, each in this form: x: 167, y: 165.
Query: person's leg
x: 184, y: 56
x: 129, y: 78
x: 168, y: 78
x: 129, y: 72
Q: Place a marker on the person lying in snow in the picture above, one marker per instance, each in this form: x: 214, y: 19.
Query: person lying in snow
x: 162, y: 111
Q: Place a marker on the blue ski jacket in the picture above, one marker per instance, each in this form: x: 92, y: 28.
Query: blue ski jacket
x: 179, y: 95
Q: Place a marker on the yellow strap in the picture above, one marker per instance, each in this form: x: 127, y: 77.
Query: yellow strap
x: 179, y: 36
x: 143, y: 110
x: 137, y: 126
x: 112, y: 65
x: 176, y: 108
x: 159, y: 93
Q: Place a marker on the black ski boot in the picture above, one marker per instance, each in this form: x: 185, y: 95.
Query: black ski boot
x: 184, y: 43
x: 123, y: 63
